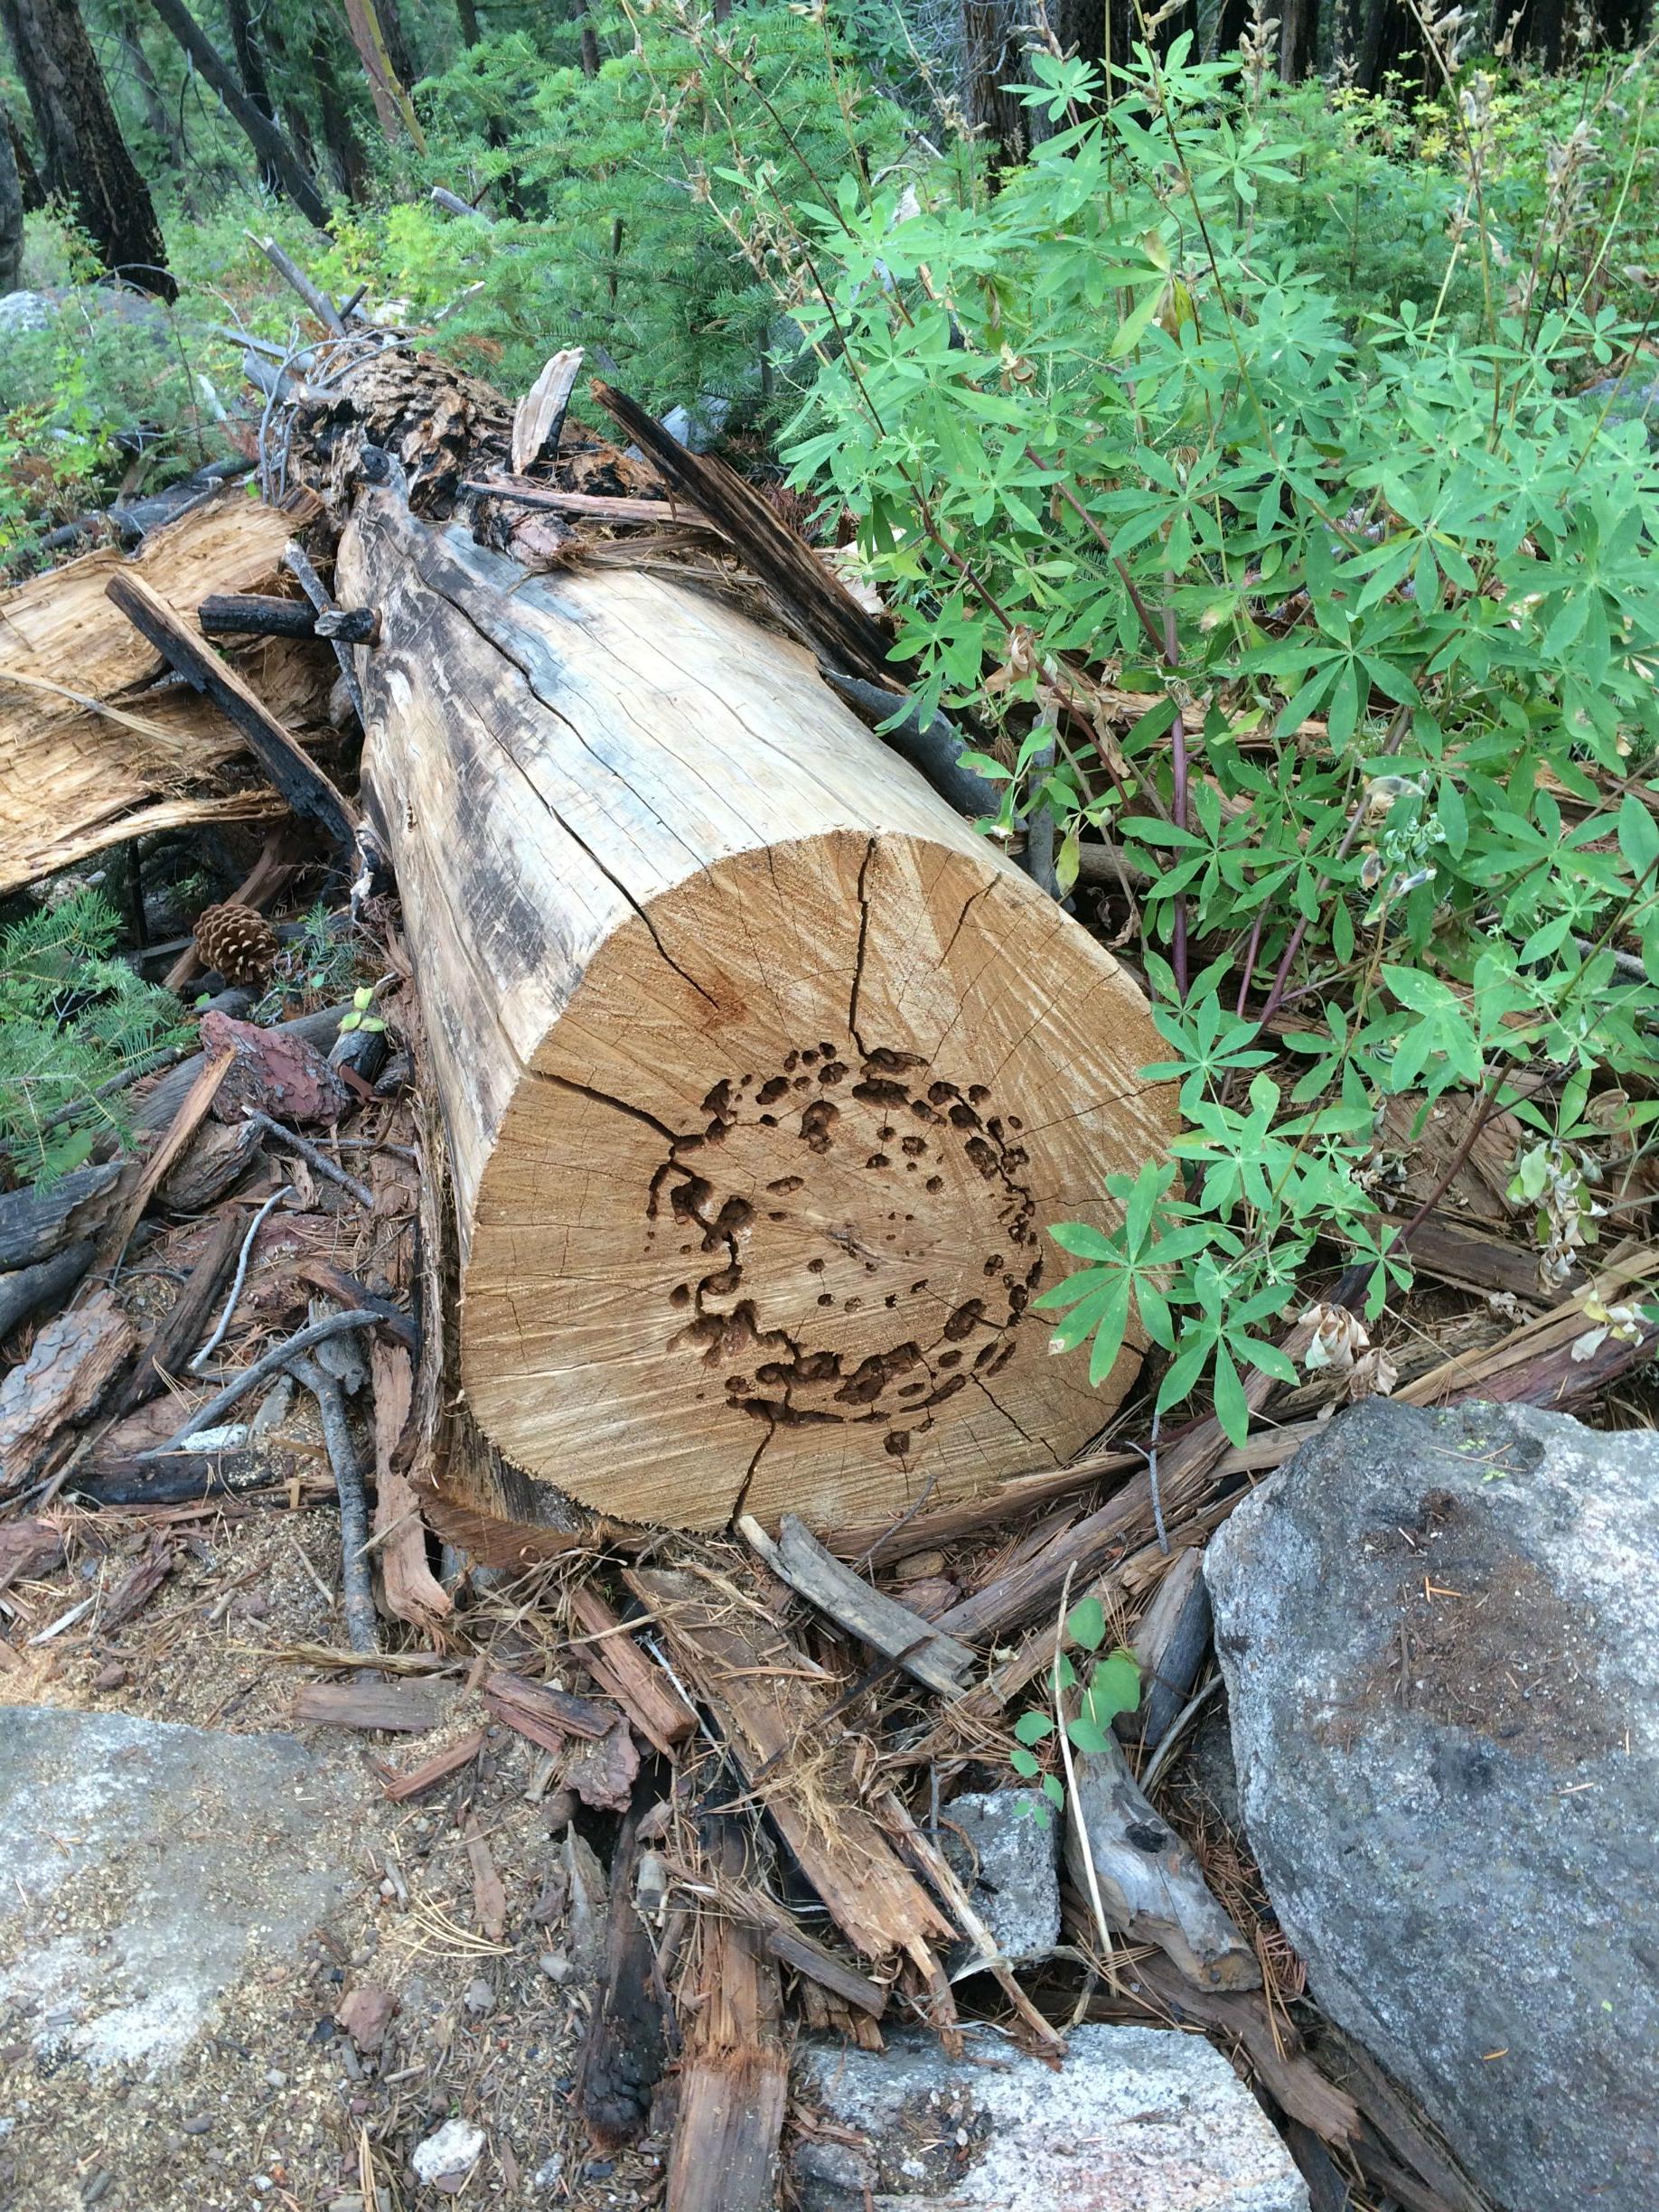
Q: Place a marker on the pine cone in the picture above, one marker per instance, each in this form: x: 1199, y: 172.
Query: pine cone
x: 236, y: 939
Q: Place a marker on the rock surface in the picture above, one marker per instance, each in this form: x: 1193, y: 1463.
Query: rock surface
x: 1140, y: 2118
x: 144, y: 1868
x: 1441, y: 1635
x: 1003, y: 1844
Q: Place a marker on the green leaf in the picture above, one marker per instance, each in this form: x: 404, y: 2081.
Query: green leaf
x: 1031, y: 1728
x: 1055, y: 1791
x: 1023, y: 1763
x: 1115, y: 1687
x: 1086, y: 1624
x: 1085, y: 1736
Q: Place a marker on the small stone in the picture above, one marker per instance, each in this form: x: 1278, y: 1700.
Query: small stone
x: 448, y: 2154
x: 274, y: 2078
x: 1005, y: 1844
x: 365, y: 2013
x: 198, y: 2123
x: 113, y: 1677
x: 555, y: 1966
x: 99, y: 2187
x: 480, y: 1996
x: 549, y: 2173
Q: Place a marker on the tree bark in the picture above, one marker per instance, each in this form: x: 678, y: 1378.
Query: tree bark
x: 763, y: 1074
x: 250, y: 67
x: 11, y: 217
x: 268, y: 141
x: 85, y: 157
x: 994, y: 46
x: 345, y: 151
x: 1535, y: 29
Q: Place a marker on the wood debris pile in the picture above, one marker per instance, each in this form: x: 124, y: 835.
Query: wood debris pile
x: 256, y: 1305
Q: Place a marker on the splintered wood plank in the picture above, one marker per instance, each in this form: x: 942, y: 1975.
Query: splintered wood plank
x: 734, y: 2075
x: 763, y: 1074
x: 71, y: 779
x: 771, y: 1712
x: 938, y: 1662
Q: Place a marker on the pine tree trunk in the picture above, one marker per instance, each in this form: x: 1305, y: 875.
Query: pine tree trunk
x: 345, y: 151
x: 268, y: 141
x: 28, y: 178
x: 252, y: 69
x: 157, y: 116
x: 1299, y: 39
x: 11, y: 217
x: 85, y: 156
x: 994, y: 48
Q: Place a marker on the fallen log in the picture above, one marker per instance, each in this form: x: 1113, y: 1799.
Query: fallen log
x: 763, y: 1075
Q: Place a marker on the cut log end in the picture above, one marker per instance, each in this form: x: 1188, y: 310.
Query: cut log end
x: 764, y: 1075
x: 765, y: 1219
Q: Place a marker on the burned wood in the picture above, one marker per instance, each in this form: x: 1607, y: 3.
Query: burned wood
x: 122, y: 1479
x: 291, y: 771
x: 1169, y: 1646
x: 797, y: 1558
x: 814, y: 599
x: 23, y: 1291
x: 626, y: 2047
x: 258, y: 614
x: 36, y: 1223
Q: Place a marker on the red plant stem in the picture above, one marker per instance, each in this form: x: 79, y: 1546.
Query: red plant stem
x: 1250, y: 950
x: 1275, y: 997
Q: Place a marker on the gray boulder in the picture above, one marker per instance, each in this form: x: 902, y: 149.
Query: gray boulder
x: 144, y: 1869
x: 1441, y: 1635
x: 1139, y: 2120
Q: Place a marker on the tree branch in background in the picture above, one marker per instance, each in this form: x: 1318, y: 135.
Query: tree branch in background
x: 268, y: 140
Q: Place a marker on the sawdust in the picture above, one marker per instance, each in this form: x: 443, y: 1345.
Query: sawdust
x: 272, y: 2105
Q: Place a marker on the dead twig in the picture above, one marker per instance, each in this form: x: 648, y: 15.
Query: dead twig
x: 218, y: 1337
x: 357, y: 1579
x: 312, y: 1155
x: 270, y: 1363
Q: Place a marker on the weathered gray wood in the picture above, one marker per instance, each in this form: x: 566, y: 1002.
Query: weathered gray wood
x: 33, y: 1225
x: 797, y: 1558
x: 24, y: 1290
x: 1150, y: 1884
x: 1169, y: 1646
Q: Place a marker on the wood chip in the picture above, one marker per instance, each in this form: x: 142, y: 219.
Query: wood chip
x: 401, y: 1787
x: 489, y: 1897
x: 403, y: 1708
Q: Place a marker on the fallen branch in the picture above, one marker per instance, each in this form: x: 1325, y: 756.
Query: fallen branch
x: 312, y: 1155
x: 357, y: 1580
x: 272, y: 1363
x: 937, y: 1662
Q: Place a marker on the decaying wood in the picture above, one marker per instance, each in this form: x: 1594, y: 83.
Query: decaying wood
x: 166, y: 1353
x: 142, y: 1176
x: 25, y: 1290
x: 412, y: 1592
x: 1169, y: 1646
x: 400, y: 1708
x: 594, y: 506
x: 33, y: 1225
x: 770, y: 1709
x: 609, y: 1655
x: 66, y: 1376
x: 1150, y: 1886
x: 401, y: 1787
x: 1242, y: 2017
x: 71, y: 780
x: 1394, y: 2121
x: 734, y: 2077
x: 489, y: 1892
x: 753, y: 1058
x: 798, y: 1559
x: 626, y: 2046
x: 290, y: 769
